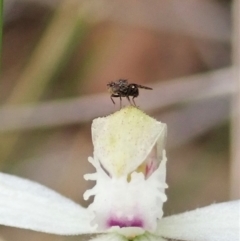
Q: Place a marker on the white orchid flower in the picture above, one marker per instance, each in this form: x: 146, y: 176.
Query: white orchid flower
x: 130, y: 163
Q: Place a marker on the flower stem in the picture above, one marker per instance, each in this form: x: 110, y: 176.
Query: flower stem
x: 1, y: 31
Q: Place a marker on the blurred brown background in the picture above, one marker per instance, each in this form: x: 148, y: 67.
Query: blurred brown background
x: 58, y: 57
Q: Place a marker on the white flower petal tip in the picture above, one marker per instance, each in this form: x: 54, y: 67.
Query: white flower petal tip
x: 123, y: 140
x: 217, y: 222
x: 29, y: 205
x: 120, y: 202
x: 120, y: 237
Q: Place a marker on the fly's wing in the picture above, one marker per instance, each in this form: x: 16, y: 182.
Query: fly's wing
x: 144, y: 87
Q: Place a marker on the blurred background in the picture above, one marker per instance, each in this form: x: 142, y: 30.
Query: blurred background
x: 59, y: 55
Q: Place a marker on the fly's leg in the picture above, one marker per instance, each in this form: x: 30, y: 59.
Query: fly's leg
x: 134, y: 101
x: 129, y: 100
x: 112, y: 99
x: 120, y: 102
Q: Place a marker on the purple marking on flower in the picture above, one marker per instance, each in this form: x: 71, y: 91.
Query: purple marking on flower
x: 123, y: 223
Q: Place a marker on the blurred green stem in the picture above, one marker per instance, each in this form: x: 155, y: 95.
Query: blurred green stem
x: 1, y: 31
x: 52, y: 50
x: 66, y: 29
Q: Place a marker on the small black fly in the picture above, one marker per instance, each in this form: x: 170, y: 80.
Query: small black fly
x: 122, y: 88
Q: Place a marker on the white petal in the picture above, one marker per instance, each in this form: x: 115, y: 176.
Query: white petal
x: 29, y: 205
x: 217, y: 222
x: 123, y: 140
